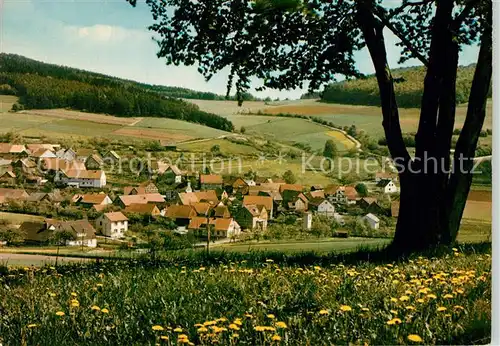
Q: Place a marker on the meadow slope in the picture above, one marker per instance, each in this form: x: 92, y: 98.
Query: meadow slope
x: 248, y: 300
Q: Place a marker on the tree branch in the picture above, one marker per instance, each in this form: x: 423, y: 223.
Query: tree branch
x: 374, y: 38
x: 380, y: 13
x: 404, y: 6
x: 465, y: 12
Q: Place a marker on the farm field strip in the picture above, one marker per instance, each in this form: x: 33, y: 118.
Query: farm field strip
x: 76, y: 115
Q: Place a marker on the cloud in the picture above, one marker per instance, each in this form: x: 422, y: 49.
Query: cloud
x: 104, y: 33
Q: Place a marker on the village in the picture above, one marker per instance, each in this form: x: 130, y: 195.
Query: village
x: 76, y: 205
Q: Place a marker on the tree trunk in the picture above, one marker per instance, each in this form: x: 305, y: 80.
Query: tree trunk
x: 461, y: 177
x: 430, y: 204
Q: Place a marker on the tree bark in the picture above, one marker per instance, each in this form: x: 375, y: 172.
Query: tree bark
x: 461, y: 176
x: 429, y: 201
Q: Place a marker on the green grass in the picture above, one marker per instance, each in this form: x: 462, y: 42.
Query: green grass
x: 295, y: 130
x: 6, y: 102
x: 178, y: 126
x: 17, y: 219
x: 79, y: 127
x: 317, y: 300
x: 246, y: 121
x: 320, y: 246
x: 226, y: 147
x: 18, y: 121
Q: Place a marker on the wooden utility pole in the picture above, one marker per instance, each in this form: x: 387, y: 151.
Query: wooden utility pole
x: 208, y: 229
x: 208, y: 235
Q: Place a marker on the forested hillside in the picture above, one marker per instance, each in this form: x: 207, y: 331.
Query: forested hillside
x: 409, y: 84
x: 41, y: 85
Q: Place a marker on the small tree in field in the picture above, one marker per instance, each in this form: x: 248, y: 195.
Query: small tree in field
x: 330, y: 151
x: 361, y: 189
x: 286, y: 43
x: 289, y: 177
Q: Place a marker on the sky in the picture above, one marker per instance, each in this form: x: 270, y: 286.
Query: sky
x: 111, y: 37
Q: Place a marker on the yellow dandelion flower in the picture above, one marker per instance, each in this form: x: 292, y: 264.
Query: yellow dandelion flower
x: 33, y: 325
x: 105, y: 311
x: 95, y: 308
x: 394, y: 321
x: 202, y: 330
x: 182, y: 336
x: 157, y: 328
x: 178, y: 330
x: 259, y: 328
x: 74, y: 294
x: 458, y: 307
x: 276, y: 338
x: 394, y: 300
x: 271, y: 316
x: 281, y: 325
x: 164, y: 337
x: 234, y: 326
x: 404, y: 298
x: 441, y: 308
x: 60, y: 313
x: 448, y: 296
x: 365, y: 309
x: 323, y: 312
x: 345, y: 308
x: 420, y: 300
x: 238, y: 322
x: 460, y: 291
x: 431, y: 296
x: 415, y: 338
x: 410, y: 307
x: 248, y: 316
x: 235, y: 335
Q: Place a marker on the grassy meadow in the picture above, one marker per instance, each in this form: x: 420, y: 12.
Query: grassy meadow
x: 367, y: 118
x: 256, y: 299
x: 6, y: 102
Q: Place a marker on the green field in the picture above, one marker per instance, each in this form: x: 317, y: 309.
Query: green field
x: 17, y: 219
x: 6, y: 102
x: 320, y: 246
x: 272, y: 166
x: 226, y: 147
x: 253, y: 299
x: 173, y: 125
x: 296, y: 130
x: 367, y: 118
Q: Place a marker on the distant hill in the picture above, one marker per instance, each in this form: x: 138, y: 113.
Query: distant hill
x: 42, y: 85
x: 409, y: 84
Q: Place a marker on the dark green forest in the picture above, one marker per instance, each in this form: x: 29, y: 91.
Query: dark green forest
x: 409, y: 84
x: 41, y: 85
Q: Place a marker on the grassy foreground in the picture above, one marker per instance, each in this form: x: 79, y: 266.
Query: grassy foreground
x: 252, y: 299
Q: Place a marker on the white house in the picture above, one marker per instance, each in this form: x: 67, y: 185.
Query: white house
x: 219, y: 227
x: 326, y: 208
x: 42, y: 153
x: 82, y: 230
x: 81, y: 178
x: 68, y: 155
x: 250, y: 182
x: 372, y: 221
x: 112, y: 225
x: 388, y: 186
